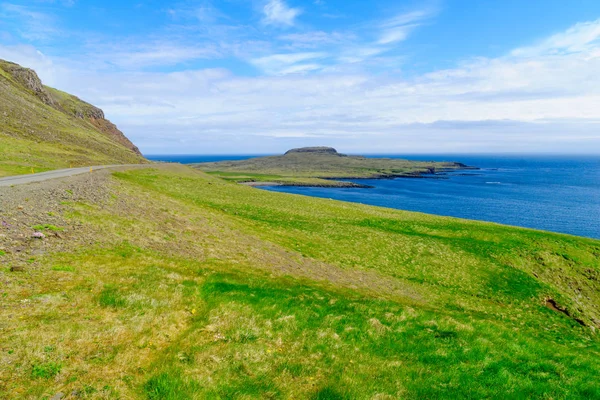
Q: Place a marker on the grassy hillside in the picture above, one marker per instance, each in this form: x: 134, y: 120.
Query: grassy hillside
x: 43, y: 128
x: 317, y: 166
x: 217, y: 290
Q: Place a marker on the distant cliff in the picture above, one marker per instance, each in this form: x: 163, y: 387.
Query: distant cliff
x: 46, y: 128
x: 315, y: 150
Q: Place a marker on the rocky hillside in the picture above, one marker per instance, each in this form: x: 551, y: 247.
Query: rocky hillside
x: 43, y: 128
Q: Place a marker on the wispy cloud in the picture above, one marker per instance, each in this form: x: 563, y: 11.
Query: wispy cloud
x: 315, y: 39
x: 205, y: 12
x: 30, y: 23
x: 579, y: 38
x: 398, y: 28
x: 164, y: 54
x: 282, y: 64
x: 359, y: 54
x: 276, y: 12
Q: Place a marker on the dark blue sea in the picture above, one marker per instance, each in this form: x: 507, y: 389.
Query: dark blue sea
x: 554, y: 193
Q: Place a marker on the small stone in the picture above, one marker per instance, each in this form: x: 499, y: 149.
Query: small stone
x: 38, y: 235
x: 58, y: 396
x: 20, y: 207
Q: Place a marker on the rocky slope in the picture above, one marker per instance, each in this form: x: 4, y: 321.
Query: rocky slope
x: 44, y: 128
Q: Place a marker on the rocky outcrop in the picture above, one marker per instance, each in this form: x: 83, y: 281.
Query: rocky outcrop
x: 315, y: 150
x: 82, y: 110
x: 30, y: 80
x: 110, y: 129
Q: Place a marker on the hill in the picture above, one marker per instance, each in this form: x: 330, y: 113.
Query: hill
x: 320, y: 166
x: 168, y: 283
x: 43, y: 128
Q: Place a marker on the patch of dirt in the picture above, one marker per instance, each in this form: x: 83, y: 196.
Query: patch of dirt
x: 43, y: 205
x: 554, y: 306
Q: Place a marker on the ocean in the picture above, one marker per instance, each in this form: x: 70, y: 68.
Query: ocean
x: 553, y: 193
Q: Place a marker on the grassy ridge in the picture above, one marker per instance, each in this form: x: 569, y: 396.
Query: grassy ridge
x: 255, y: 179
x: 43, y: 128
x: 215, y: 290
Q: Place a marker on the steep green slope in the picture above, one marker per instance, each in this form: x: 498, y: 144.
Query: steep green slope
x: 217, y: 290
x: 43, y: 128
x: 317, y: 166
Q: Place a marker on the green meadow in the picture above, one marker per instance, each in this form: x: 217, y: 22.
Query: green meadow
x: 199, y: 288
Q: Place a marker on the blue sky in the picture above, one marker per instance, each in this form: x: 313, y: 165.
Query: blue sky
x: 260, y: 76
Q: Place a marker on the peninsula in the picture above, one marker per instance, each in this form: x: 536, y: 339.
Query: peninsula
x: 321, y: 167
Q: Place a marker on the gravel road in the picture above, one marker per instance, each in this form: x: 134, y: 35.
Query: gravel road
x: 59, y: 173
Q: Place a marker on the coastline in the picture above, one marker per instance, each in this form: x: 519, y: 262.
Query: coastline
x: 335, y: 183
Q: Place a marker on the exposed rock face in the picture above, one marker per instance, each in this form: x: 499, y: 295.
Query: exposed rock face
x: 88, y: 111
x: 30, y: 80
x: 315, y: 150
x: 68, y: 104
x: 110, y: 129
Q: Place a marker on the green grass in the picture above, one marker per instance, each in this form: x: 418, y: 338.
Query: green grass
x: 46, y: 370
x: 268, y: 295
x: 110, y: 297
x: 63, y: 268
x: 277, y: 179
x: 170, y: 386
x: 47, y: 227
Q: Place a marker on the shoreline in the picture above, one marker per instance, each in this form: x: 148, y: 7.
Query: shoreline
x: 347, y: 184
x: 335, y: 184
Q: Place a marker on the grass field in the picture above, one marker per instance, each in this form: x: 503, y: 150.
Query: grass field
x: 245, y: 177
x: 217, y: 290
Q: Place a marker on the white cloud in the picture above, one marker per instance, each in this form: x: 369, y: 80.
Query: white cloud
x: 579, y: 38
x: 276, y: 12
x: 281, y: 64
x: 314, y: 39
x: 359, y: 54
x: 398, y: 28
x: 160, y: 54
x: 545, y: 99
